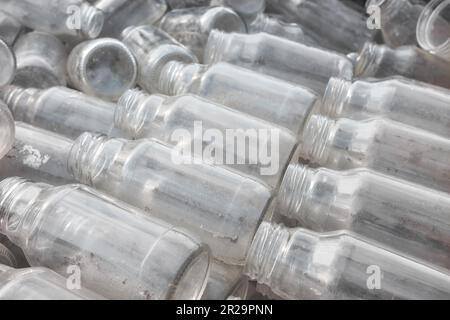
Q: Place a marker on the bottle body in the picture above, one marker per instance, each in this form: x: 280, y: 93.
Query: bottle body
x: 301, y: 264
x: 60, y: 227
x: 291, y: 61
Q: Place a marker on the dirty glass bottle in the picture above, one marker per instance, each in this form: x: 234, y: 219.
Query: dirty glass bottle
x: 414, y: 103
x: 302, y: 264
x: 383, y: 145
x: 7, y: 63
x: 379, y: 61
x: 38, y: 284
x: 75, y: 226
x: 288, y: 60
x: 10, y: 28
x: 7, y: 129
x: 409, y: 218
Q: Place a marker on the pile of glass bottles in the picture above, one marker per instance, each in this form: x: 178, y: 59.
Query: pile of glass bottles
x: 221, y: 149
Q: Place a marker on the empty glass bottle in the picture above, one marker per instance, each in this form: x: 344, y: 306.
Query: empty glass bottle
x: 59, y: 109
x: 219, y: 206
x: 103, y: 68
x: 6, y: 130
x: 384, y: 145
x: 10, y: 28
x: 409, y: 218
x: 7, y: 63
x: 74, y: 226
x: 380, y: 61
x: 302, y: 264
x: 400, y: 99
x: 192, y: 26
x: 301, y: 64
x: 70, y: 19
x: 153, y: 48
x: 38, y: 284
x: 41, y: 61
x: 120, y: 14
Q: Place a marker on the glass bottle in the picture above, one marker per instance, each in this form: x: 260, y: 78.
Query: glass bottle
x: 383, y: 145
x: 120, y: 14
x: 41, y: 61
x: 409, y: 218
x: 274, y: 56
x: 258, y: 149
x: 414, y: 103
x: 10, y: 28
x: 73, y: 20
x: 7, y: 130
x: 192, y: 26
x: 59, y: 109
x: 379, y: 61
x: 38, y: 284
x: 8, y: 63
x: 103, y: 68
x: 248, y: 9
x: 433, y: 28
x: 219, y: 206
x: 153, y: 48
x: 302, y: 264
x: 73, y: 226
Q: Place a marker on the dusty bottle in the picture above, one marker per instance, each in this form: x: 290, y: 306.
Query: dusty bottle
x: 41, y: 61
x: 38, y: 284
x: 383, y: 145
x: 400, y: 99
x: 292, y: 61
x: 302, y: 264
x: 6, y: 130
x: 70, y: 19
x: 61, y: 110
x: 205, y: 129
x: 120, y: 14
x: 103, y: 68
x: 7, y: 63
x: 406, y: 217
x: 75, y: 226
x: 153, y: 48
x: 10, y: 28
x: 331, y: 23
x: 433, y: 28
x: 192, y: 26
x: 219, y: 206
x: 380, y: 61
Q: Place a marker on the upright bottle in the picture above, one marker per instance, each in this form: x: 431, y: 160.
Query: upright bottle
x: 409, y: 218
x: 300, y: 64
x: 302, y: 264
x: 414, y: 103
x: 74, y: 226
x: 380, y: 61
x: 384, y: 145
x: 6, y: 130
x: 207, y: 128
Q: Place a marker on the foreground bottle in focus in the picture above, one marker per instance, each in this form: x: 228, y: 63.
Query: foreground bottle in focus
x: 75, y: 226
x: 301, y: 264
x: 384, y: 145
x: 6, y: 130
x: 414, y: 103
x: 291, y: 61
x: 410, y: 218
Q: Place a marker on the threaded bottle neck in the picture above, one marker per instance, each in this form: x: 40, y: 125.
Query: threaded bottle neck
x: 21, y: 102
x: 215, y: 47
x: 368, y: 60
x: 92, y: 20
x: 335, y: 96
x: 170, y: 78
x: 316, y: 136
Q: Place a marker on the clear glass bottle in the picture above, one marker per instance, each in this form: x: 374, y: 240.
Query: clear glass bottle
x: 74, y: 226
x: 302, y: 264
x: 274, y: 56
x: 219, y: 206
x: 192, y: 26
x: 379, y: 61
x: 38, y: 284
x: 433, y: 28
x: 8, y: 63
x: 41, y: 61
x: 61, y: 110
x: 244, y: 90
x: 153, y: 48
x: 414, y: 103
x: 37, y: 155
x: 383, y: 145
x: 10, y: 28
x: 7, y: 130
x: 72, y: 20
x: 103, y: 68
x: 331, y: 23
x: 406, y: 217
x: 207, y: 126
x: 120, y: 14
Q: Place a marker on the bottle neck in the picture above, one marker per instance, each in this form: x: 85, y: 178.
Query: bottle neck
x: 369, y: 59
x: 216, y: 47
x: 318, y: 133
x: 335, y: 97
x: 22, y: 102
x: 176, y: 77
x: 92, y: 20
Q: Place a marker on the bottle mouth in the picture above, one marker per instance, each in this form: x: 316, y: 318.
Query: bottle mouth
x: 214, y: 47
x: 314, y: 140
x: 366, y: 62
x: 7, y: 63
x: 334, y: 97
x: 92, y: 21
